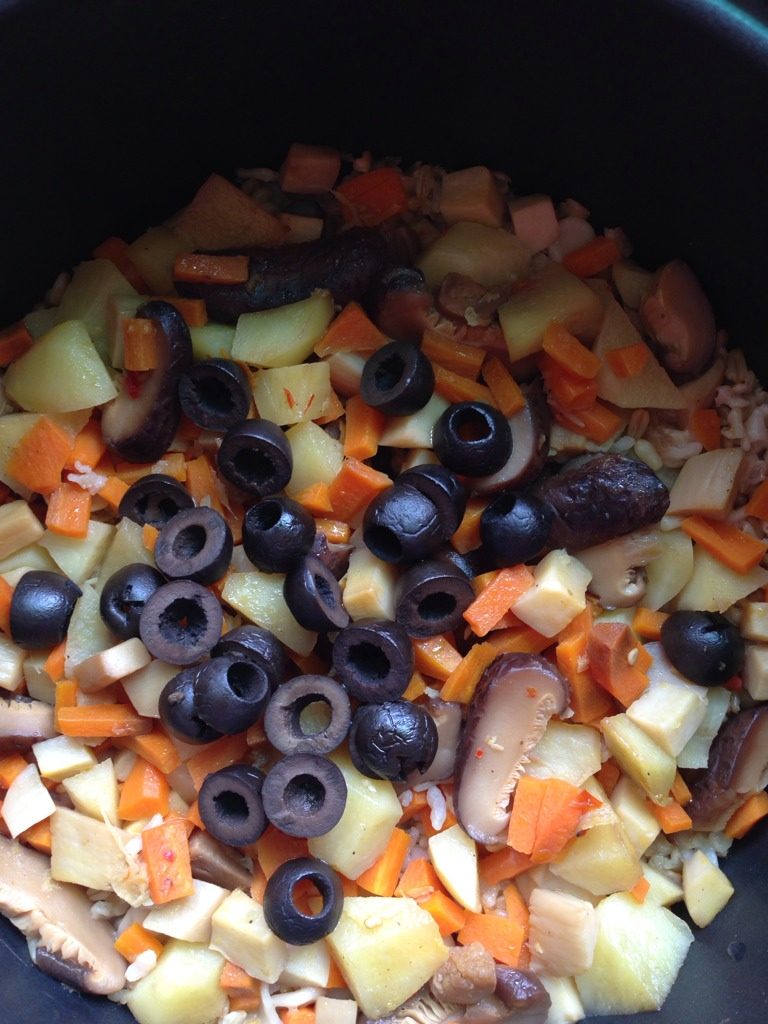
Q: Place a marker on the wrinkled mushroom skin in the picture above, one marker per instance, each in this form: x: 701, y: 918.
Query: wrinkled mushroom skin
x: 530, y: 444
x: 24, y: 722
x: 346, y: 264
x: 600, y: 499
x: 738, y: 767
x: 140, y: 427
x: 618, y: 567
x: 214, y: 862
x: 466, y: 977
x: 678, y: 315
x: 515, y: 698
x: 523, y: 994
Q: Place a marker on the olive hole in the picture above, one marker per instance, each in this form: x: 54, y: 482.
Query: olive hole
x: 190, y: 541
x: 304, y: 794
x: 314, y: 717
x: 254, y: 466
x: 182, y: 620
x: 471, y: 425
x: 389, y: 372
x: 210, y: 393
x: 324, y: 591
x: 383, y: 542
x: 265, y: 515
x: 368, y: 661
x: 242, y: 681
x: 302, y: 893
x: 231, y: 806
x: 437, y: 606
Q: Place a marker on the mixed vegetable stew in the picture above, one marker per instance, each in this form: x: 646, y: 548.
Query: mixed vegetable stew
x: 383, y: 608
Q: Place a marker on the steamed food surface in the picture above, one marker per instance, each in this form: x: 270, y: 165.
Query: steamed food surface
x: 384, y: 632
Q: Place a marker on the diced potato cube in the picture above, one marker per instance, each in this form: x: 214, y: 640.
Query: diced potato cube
x: 557, y: 595
x: 87, y: 633
x: 665, y: 888
x: 182, y: 989
x: 695, y: 754
x: 707, y: 484
x: 285, y: 335
x: 95, y: 792
x: 87, y: 295
x: 416, y: 430
x: 670, y: 571
x: 40, y: 321
x: 259, y: 597
x: 669, y: 711
x: 471, y: 194
x: 212, y: 341
x: 563, y: 932
x: 239, y: 932
x: 27, y: 802
x: 565, y: 751
x: 454, y: 857
x: 754, y: 621
x: 19, y: 527
x: 153, y: 254
x: 13, y: 426
x: 755, y: 672
x: 534, y: 221
x: 601, y: 860
x: 386, y: 948
x: 188, y: 918
x: 640, y: 825
x: 62, y: 756
x: 307, y: 965
x: 632, y: 282
x: 335, y: 1011
x: 127, y: 546
x: 40, y: 686
x: 290, y: 394
x: 706, y: 889
x: 144, y: 687
x: 640, y: 757
x: 713, y: 587
x: 369, y: 586
x: 489, y: 255
x: 91, y: 853
x: 79, y: 557
x: 317, y: 457
x: 11, y: 664
x: 566, y: 1006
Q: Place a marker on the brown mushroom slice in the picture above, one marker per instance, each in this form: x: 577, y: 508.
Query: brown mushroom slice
x: 214, y: 862
x: 618, y: 567
x: 24, y: 722
x: 738, y: 767
x: 59, y: 916
x: 447, y: 718
x: 530, y: 444
x: 466, y: 977
x: 523, y: 993
x: 678, y: 315
x: 515, y: 698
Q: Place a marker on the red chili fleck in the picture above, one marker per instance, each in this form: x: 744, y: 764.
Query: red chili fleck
x: 169, y: 855
x: 289, y: 398
x: 531, y: 691
x: 734, y: 684
x: 479, y: 752
x: 310, y: 400
x: 132, y: 383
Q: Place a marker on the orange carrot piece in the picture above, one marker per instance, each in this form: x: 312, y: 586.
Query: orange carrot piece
x: 354, y: 486
x: 38, y: 836
x: 415, y: 807
x: 192, y: 310
x: 515, y: 905
x: 351, y: 331
x: 373, y: 197
x: 143, y: 344
x: 561, y: 810
x: 193, y: 816
x: 504, y: 865
x: 640, y: 889
x: 419, y: 880
x: 201, y: 483
x: 425, y: 817
x: 728, y: 544
x: 610, y: 650
x: 467, y: 536
x: 598, y: 423
x: 416, y: 686
x: 461, y: 684
x: 519, y: 640
x: 149, y: 535
x: 364, y: 427
x: 608, y: 775
x: 446, y: 913
x: 115, y: 250
x: 298, y: 1015
x: 672, y: 817
x: 502, y: 937
x: 589, y: 701
x: 38, y: 459
x: 202, y: 268
x: 526, y: 807
x: 235, y: 981
x: 435, y: 656
x: 505, y: 391
x: 171, y: 463
x: 568, y: 352
x: 629, y: 360
x: 592, y: 258
x: 66, y: 697
x: 113, y: 490
x: 569, y: 391
x: 455, y: 388
x: 705, y: 426
x: 315, y: 499
x: 135, y: 940
x: 647, y: 623
x: 753, y: 810
x: 680, y: 791
x: 88, y: 448
x: 6, y: 596
x: 99, y: 720
x: 757, y: 505
x: 274, y: 848
x: 11, y: 766
x: 144, y: 793
x: 166, y: 854
x: 450, y: 354
x: 156, y: 748
x: 497, y: 598
x: 247, y: 1004
x: 14, y: 342
x: 69, y: 511
x: 381, y: 877
x: 336, y: 531
x: 219, y: 754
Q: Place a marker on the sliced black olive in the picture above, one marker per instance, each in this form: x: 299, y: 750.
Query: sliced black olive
x: 514, y: 528
x: 374, y: 660
x: 334, y: 556
x: 214, y: 394
x: 154, y: 500
x: 472, y: 438
x: 252, y: 643
x: 402, y: 525
x: 291, y: 732
x: 230, y: 804
x: 304, y: 795
x: 313, y: 595
x: 277, y: 534
x: 178, y: 712
x: 431, y: 597
x: 283, y: 916
x: 41, y: 607
x: 471, y: 563
x: 442, y: 487
x: 397, y: 379
x: 401, y: 304
x: 255, y: 456
x: 124, y: 595
x: 181, y: 622
x: 196, y: 544
x: 231, y: 694
x: 387, y: 741
x: 703, y: 646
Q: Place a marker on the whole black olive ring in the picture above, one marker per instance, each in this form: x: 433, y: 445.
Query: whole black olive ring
x: 402, y: 525
x: 313, y: 595
x: 277, y: 533
x: 283, y: 916
x: 154, y: 500
x: 472, y: 438
x: 388, y: 741
x: 304, y: 795
x: 514, y: 528
x: 231, y: 694
x: 442, y: 487
x: 41, y: 607
x: 374, y: 660
x: 178, y: 710
x: 397, y: 379
x: 124, y: 595
x: 283, y: 722
x: 255, y: 456
x: 431, y: 597
x: 181, y: 622
x: 230, y: 804
x: 253, y: 643
x: 214, y: 394
x: 195, y: 544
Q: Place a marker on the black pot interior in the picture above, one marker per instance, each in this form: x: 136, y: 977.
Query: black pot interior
x: 652, y: 114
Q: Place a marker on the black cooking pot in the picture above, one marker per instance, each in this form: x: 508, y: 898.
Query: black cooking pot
x: 651, y: 113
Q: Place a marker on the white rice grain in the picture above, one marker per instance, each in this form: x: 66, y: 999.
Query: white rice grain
x: 437, y: 806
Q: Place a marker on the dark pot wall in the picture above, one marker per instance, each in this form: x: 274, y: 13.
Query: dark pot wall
x: 652, y: 113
